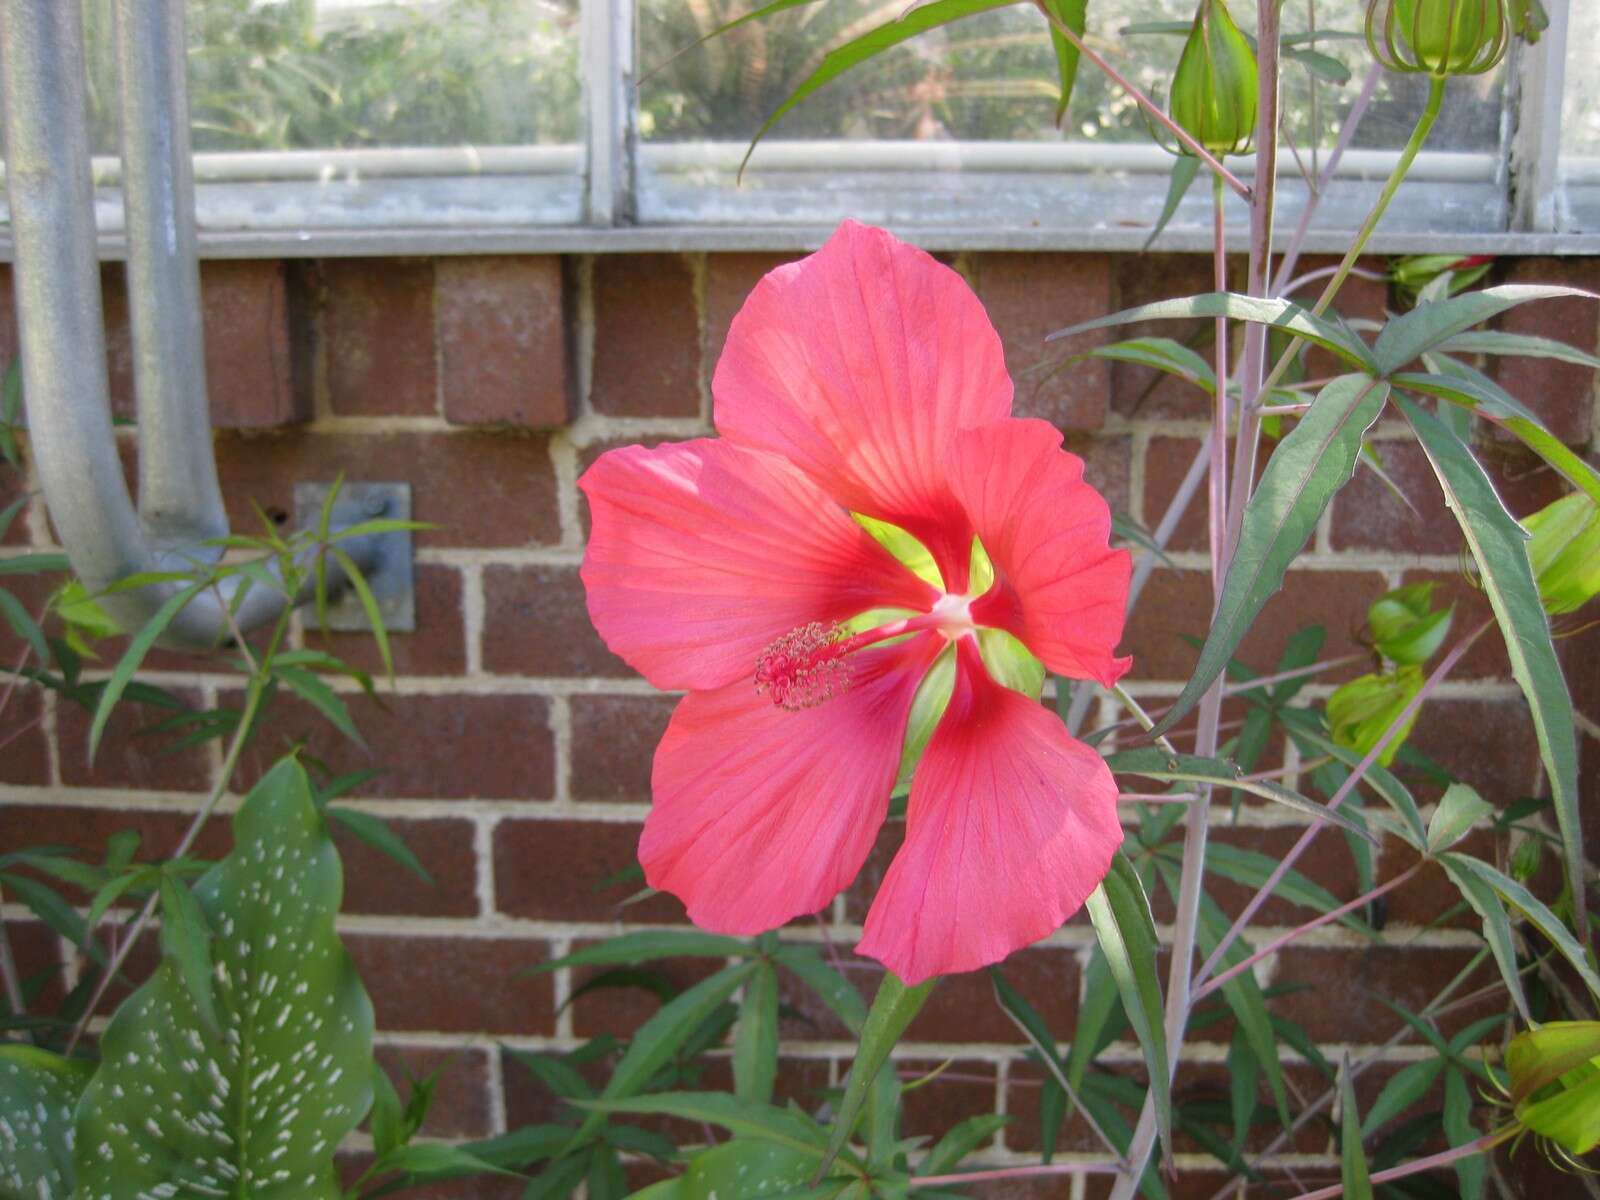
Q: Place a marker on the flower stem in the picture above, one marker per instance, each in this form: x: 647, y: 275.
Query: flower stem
x: 1417, y: 1165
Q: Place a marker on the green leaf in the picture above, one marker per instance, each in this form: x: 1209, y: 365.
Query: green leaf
x: 1058, y: 1086
x: 742, y: 1118
x: 632, y: 948
x: 560, y: 1178
x: 961, y: 1141
x: 1315, y: 460
x: 556, y: 1073
x: 1459, y: 810
x: 1253, y: 869
x: 1162, y: 354
x: 1323, y: 66
x: 1184, y: 169
x: 1100, y: 1018
x: 1406, y: 1087
x: 114, y: 889
x: 1459, y: 1130
x: 1479, y: 394
x: 1518, y: 345
x: 1352, y: 1160
x: 1304, y: 727
x: 34, y: 564
x: 659, y: 1038
x: 755, y: 1038
x: 745, y: 1168
x: 1406, y: 338
x: 38, y: 1093
x: 1127, y: 935
x: 186, y: 944
x: 1072, y: 14
x: 1153, y: 763
x: 138, y: 646
x: 522, y: 1147
x: 260, y: 1106
x: 1499, y: 545
x: 388, y: 1130
x: 46, y: 904
x: 1496, y: 928
x: 893, y: 1008
x: 369, y: 606
x: 375, y: 832
x: 1535, y: 912
x: 321, y: 697
x: 1284, y: 315
x: 913, y: 22
x: 431, y: 1161
x: 832, y: 988
x: 23, y: 625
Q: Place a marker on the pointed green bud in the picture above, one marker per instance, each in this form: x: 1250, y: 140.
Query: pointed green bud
x: 1529, y: 20
x: 1406, y: 628
x: 1361, y: 711
x: 1565, y: 552
x: 1438, y: 37
x: 1214, y: 89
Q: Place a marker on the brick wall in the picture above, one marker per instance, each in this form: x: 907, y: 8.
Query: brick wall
x: 517, y: 747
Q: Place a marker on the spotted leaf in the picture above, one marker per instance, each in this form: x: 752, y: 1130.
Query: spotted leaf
x: 255, y: 1104
x: 38, y: 1092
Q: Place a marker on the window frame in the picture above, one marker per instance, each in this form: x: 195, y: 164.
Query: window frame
x: 606, y: 194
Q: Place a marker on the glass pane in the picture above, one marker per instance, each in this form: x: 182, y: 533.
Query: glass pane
x: 994, y: 76
x: 963, y: 92
x: 1580, y: 123
x: 358, y: 74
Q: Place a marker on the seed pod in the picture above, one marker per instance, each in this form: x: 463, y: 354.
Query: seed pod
x: 1214, y: 88
x: 1406, y: 628
x: 1565, y: 552
x: 1438, y: 37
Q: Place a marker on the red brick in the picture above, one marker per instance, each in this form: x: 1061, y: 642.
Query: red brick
x: 502, y: 340
x: 529, y: 1102
x: 1487, y: 658
x: 730, y: 278
x: 460, y: 1106
x: 1167, y: 461
x: 964, y: 1088
x: 33, y: 592
x: 1487, y: 743
x: 377, y: 330
x: 646, y: 337
x: 535, y: 623
x: 479, y: 489
x: 620, y: 1011
x: 37, y: 953
x: 438, y: 645
x: 1142, y: 279
x: 1562, y: 394
x: 445, y: 747
x: 375, y: 883
x: 1367, y: 515
x: 13, y: 487
x: 24, y: 746
x: 1341, y: 1004
x: 131, y: 755
x: 613, y: 742
x: 87, y: 830
x: 554, y: 871
x: 455, y: 984
x: 1030, y: 296
x: 1179, y: 602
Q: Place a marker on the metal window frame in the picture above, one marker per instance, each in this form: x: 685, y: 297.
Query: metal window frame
x: 609, y: 193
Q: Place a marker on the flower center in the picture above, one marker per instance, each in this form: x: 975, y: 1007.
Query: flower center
x: 809, y: 665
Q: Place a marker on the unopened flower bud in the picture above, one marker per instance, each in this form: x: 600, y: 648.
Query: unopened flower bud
x: 1362, y: 711
x: 1406, y: 629
x: 1565, y: 552
x: 1214, y: 89
x: 1439, y: 37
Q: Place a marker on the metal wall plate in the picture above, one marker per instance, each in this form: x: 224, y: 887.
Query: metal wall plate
x: 391, y: 576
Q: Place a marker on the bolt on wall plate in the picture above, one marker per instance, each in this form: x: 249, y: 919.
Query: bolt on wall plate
x: 390, y: 577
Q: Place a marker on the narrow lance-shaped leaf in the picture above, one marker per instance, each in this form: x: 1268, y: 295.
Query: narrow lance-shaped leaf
x: 1499, y: 546
x: 915, y: 21
x: 1496, y: 928
x: 1315, y: 460
x: 755, y: 1039
x: 1426, y: 326
x: 38, y: 1093
x: 138, y: 646
x: 893, y: 1008
x: 1072, y: 14
x: 258, y: 1106
x: 1127, y: 935
x: 1352, y: 1161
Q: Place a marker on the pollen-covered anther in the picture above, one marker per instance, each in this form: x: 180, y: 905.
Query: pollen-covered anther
x: 805, y: 667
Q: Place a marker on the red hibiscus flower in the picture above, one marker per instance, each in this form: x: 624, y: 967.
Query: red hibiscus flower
x: 859, y: 386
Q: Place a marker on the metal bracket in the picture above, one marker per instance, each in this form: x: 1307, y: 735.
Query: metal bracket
x: 390, y: 575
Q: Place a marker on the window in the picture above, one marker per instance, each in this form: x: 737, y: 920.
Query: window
x: 321, y: 126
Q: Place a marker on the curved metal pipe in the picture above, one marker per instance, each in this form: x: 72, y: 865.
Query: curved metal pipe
x: 61, y: 321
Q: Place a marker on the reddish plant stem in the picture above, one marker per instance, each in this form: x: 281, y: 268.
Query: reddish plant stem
x: 1446, y: 665
x: 1031, y: 1172
x: 1272, y: 947
x: 1417, y: 1165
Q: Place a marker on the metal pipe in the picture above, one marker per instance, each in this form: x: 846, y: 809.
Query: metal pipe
x: 62, y: 333
x: 180, y: 502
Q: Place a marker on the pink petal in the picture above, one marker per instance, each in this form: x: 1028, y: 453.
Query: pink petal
x: 762, y: 814
x: 1059, y: 587
x: 702, y: 553
x: 860, y: 364
x: 1011, y: 824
